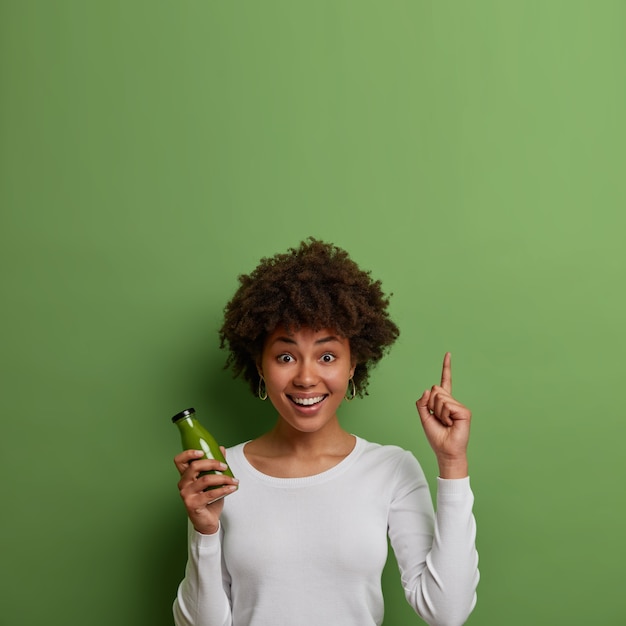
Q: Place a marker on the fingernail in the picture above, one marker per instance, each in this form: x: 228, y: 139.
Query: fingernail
x: 199, y: 452
x: 223, y: 466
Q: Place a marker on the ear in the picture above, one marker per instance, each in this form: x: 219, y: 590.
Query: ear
x: 259, y: 369
x: 353, y: 368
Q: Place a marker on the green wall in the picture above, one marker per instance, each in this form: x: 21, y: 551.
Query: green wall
x: 470, y: 153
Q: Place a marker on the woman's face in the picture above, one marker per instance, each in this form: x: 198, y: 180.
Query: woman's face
x: 306, y: 374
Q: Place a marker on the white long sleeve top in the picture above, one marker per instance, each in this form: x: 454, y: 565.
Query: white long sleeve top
x: 310, y: 551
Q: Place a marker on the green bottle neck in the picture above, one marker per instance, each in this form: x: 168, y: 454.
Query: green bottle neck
x: 186, y: 423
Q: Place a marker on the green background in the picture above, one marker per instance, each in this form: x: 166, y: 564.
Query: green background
x: 471, y: 154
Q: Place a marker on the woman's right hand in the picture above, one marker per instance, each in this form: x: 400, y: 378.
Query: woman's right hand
x: 203, y: 507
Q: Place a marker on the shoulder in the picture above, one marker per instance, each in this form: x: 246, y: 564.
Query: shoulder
x: 388, y: 457
x: 382, y: 451
x: 234, y: 455
x: 237, y: 447
x: 391, y: 469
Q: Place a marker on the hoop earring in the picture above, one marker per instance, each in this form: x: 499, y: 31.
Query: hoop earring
x: 262, y: 391
x: 352, y: 395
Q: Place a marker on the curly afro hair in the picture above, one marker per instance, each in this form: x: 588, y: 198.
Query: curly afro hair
x: 314, y: 286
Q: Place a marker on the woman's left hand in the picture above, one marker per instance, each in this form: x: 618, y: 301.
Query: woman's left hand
x: 446, y: 423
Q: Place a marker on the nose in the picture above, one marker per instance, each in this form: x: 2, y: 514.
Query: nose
x: 306, y: 375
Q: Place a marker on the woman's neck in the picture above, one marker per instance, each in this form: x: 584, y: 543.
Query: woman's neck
x: 287, y: 453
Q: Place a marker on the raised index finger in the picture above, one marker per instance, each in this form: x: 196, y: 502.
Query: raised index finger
x: 446, y: 373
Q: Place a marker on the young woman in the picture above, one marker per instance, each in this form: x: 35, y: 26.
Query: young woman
x: 300, y: 539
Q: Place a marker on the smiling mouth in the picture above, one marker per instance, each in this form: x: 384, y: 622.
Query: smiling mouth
x: 307, y: 401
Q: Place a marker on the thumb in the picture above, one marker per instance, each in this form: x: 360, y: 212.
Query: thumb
x: 422, y: 406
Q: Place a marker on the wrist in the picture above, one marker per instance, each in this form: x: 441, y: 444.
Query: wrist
x: 206, y: 530
x: 451, y: 469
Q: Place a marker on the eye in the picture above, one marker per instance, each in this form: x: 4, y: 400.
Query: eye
x: 285, y: 358
x: 328, y: 357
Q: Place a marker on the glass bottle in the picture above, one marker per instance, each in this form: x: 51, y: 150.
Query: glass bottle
x: 195, y: 437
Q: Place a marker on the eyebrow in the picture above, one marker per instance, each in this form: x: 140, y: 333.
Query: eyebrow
x: 290, y: 340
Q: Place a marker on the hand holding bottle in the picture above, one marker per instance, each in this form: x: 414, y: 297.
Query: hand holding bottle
x: 446, y: 423
x: 202, y: 493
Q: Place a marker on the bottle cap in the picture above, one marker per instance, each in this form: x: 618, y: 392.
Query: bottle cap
x: 185, y: 413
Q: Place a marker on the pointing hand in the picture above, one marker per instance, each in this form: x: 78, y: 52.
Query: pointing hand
x: 446, y: 423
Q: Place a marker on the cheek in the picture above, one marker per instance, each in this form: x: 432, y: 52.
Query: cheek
x: 264, y: 365
x: 342, y: 378
x: 274, y: 376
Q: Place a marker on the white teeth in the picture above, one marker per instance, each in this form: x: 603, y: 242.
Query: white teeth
x: 308, y: 401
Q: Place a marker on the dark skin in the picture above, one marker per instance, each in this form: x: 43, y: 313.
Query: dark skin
x: 203, y: 507
x: 446, y: 423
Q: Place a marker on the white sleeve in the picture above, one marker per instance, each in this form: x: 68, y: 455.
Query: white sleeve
x: 203, y: 595
x: 437, y: 556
